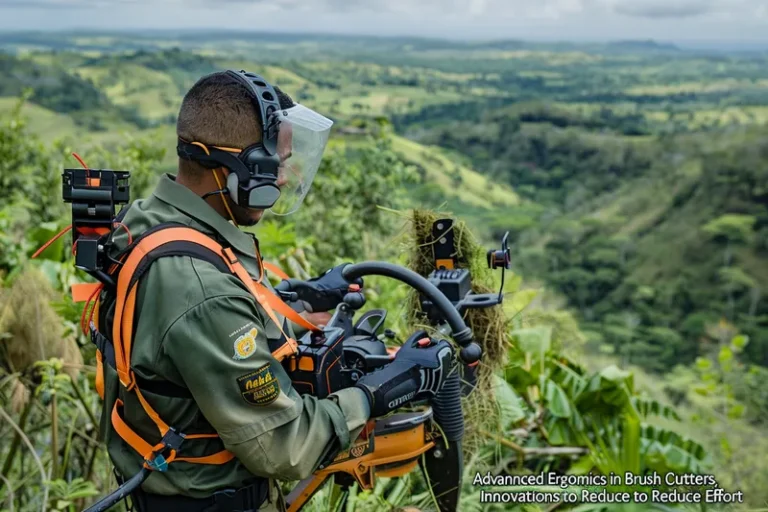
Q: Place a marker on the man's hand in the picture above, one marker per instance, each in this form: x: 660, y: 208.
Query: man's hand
x: 321, y: 293
x: 320, y: 319
x: 418, y: 370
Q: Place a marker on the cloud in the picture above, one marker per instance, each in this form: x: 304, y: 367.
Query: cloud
x: 67, y: 4
x: 496, y: 9
x: 487, y: 8
x: 455, y: 19
x: 656, y: 9
x: 477, y: 7
x: 48, y: 4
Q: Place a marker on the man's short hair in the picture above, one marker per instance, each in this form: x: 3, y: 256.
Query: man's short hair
x: 218, y: 111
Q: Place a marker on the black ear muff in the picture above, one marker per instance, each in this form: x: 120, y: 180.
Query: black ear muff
x: 260, y: 162
x: 256, y: 194
x: 263, y: 196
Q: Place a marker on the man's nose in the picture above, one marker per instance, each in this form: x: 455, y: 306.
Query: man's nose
x: 282, y: 178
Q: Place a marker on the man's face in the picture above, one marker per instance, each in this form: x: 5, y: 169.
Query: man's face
x: 249, y: 216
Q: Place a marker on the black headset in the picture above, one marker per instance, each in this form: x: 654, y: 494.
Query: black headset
x: 252, y: 181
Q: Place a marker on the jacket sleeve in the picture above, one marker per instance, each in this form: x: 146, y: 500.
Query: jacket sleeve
x: 221, y: 352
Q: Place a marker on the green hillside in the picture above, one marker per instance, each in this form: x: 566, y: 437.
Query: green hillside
x: 42, y: 121
x: 625, y: 177
x: 639, y: 232
x: 632, y: 177
x: 147, y: 87
x: 57, y: 88
x: 152, y: 94
x: 454, y: 179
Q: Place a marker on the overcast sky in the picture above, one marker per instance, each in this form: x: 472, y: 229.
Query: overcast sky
x: 595, y: 20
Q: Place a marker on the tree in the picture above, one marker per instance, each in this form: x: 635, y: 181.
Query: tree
x: 30, y: 187
x: 343, y: 211
x: 731, y: 229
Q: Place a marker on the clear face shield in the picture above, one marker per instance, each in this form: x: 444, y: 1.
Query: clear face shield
x: 301, y: 141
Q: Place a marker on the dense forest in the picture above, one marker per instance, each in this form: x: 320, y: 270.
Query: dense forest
x: 632, y: 178
x: 651, y: 240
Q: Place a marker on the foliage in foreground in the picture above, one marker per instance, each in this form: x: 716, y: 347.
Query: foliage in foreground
x: 553, y: 414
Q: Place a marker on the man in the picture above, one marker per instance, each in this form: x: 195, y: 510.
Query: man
x: 202, y: 343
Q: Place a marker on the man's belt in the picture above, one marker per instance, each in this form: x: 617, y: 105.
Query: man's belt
x: 245, y: 499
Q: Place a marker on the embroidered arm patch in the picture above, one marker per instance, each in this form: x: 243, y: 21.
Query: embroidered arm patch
x: 259, y: 387
x: 245, y: 345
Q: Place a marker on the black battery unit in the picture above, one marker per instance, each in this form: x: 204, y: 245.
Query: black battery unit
x: 317, y: 368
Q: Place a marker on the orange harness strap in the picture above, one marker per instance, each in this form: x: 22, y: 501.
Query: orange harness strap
x: 81, y: 292
x: 148, y: 452
x: 275, y: 270
x: 122, y: 335
x: 126, y: 299
x: 265, y: 297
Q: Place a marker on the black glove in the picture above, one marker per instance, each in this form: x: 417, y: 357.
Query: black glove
x: 320, y: 293
x: 418, y: 370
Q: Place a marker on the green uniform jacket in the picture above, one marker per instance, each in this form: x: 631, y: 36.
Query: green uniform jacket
x: 196, y: 328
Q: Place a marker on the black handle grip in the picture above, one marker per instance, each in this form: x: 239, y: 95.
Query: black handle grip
x: 447, y: 408
x: 471, y: 351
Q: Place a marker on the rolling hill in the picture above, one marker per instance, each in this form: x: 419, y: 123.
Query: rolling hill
x: 654, y: 239
x: 632, y: 177
x: 143, y: 90
x: 612, y: 183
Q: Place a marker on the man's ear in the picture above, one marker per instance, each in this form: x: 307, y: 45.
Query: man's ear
x: 223, y: 171
x: 220, y: 175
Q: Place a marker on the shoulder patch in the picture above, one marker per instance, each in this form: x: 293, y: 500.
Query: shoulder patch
x: 259, y: 387
x: 245, y: 345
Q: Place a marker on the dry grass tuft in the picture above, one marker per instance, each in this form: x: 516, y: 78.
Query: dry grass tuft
x: 490, y: 326
x: 30, y: 329
x: 20, y: 395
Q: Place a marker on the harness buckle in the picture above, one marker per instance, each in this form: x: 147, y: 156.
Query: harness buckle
x: 170, y: 444
x: 230, y: 255
x: 158, y: 463
x: 172, y: 440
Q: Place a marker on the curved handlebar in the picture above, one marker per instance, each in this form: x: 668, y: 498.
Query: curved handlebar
x: 470, y: 352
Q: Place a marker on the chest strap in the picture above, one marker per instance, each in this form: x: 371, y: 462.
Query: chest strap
x: 172, y: 241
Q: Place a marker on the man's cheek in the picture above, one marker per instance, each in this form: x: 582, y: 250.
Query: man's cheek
x: 251, y: 218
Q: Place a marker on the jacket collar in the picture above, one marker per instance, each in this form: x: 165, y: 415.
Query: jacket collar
x: 186, y: 201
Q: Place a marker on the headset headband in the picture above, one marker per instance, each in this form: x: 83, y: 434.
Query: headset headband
x: 212, y: 157
x: 266, y: 102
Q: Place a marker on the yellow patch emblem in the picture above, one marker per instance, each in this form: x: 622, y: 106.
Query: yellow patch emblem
x: 260, y: 387
x: 245, y: 345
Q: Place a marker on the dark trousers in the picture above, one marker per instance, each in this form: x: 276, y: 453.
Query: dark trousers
x: 245, y: 499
